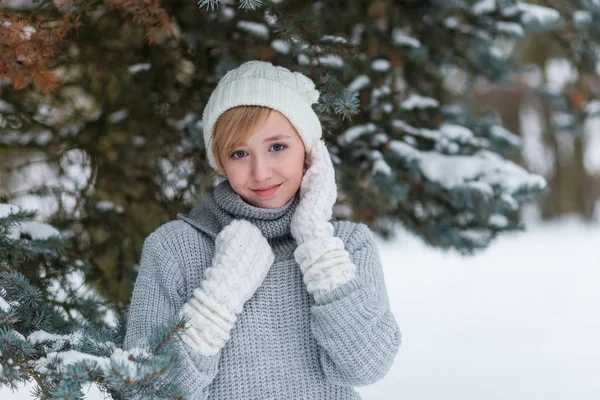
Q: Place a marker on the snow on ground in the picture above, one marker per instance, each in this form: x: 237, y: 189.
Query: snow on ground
x: 517, y: 322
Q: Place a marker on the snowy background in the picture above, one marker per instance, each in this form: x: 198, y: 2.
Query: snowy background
x: 519, y: 321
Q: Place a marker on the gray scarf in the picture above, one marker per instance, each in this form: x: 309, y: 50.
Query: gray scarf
x: 217, y: 210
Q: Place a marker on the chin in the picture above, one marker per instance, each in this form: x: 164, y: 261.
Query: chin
x: 271, y: 203
x: 277, y: 201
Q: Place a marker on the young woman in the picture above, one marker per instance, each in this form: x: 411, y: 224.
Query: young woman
x: 282, y: 302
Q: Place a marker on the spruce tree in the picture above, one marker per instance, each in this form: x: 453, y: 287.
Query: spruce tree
x: 57, y: 332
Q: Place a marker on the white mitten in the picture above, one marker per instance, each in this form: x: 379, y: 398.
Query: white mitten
x: 324, y: 261
x: 242, y: 260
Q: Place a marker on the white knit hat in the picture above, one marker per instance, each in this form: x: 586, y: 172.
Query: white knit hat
x: 259, y: 83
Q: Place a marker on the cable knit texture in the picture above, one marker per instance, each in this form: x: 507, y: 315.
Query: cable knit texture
x: 242, y: 259
x: 286, y: 343
x: 322, y: 257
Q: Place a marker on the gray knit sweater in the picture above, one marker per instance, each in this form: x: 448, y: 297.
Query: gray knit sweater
x: 284, y: 345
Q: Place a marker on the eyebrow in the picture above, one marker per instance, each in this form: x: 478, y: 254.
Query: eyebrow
x: 276, y: 137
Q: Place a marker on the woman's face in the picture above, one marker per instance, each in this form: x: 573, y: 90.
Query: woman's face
x: 267, y: 170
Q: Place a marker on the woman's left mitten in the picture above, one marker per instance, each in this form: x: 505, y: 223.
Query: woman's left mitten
x: 323, y: 259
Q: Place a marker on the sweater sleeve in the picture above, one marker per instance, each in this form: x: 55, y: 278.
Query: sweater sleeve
x: 353, y: 324
x: 157, y: 295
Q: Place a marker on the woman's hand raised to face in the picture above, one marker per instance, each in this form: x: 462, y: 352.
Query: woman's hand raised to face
x: 323, y: 260
x: 318, y: 194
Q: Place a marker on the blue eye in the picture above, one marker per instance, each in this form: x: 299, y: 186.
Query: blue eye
x: 279, y: 147
x: 238, y: 154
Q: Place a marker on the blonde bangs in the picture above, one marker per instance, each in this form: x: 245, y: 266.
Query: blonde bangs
x: 233, y: 128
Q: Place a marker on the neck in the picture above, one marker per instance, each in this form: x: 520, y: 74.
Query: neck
x: 224, y: 205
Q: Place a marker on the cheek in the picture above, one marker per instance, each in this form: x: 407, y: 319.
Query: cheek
x: 295, y: 170
x: 235, y: 176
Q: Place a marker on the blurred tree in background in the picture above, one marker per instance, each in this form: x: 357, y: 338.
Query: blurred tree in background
x: 552, y: 104
x: 108, y: 95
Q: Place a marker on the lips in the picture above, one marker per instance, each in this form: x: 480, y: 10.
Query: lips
x: 267, y: 191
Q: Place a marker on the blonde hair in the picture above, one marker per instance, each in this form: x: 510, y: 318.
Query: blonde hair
x: 234, y: 127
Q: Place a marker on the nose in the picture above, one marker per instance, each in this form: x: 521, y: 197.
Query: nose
x: 261, y: 169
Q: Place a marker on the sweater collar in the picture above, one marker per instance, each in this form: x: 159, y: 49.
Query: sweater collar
x: 224, y: 205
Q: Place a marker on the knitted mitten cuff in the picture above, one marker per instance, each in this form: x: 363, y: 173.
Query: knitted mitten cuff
x: 325, y: 264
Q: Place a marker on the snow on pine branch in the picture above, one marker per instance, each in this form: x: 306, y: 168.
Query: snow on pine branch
x: 4, y: 306
x: 257, y: 29
x: 583, y: 18
x: 7, y: 209
x: 281, y: 46
x: 454, y: 137
x: 380, y: 65
x: 105, y: 364
x: 485, y: 167
x: 488, y: 170
x: 380, y: 166
x: 35, y: 230
x: 484, y: 7
x: 355, y: 132
x: 334, y: 39
x: 449, y: 138
x: 135, y: 68
x: 538, y: 17
x: 429, y: 134
x: 124, y: 365
x: 401, y: 38
x: 500, y: 133
x: 329, y: 60
x: 358, y: 83
x: 510, y: 29
x: 415, y: 101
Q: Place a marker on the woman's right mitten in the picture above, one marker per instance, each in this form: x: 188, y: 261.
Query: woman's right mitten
x: 242, y: 260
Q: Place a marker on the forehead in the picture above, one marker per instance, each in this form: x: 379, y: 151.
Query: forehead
x: 275, y: 127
